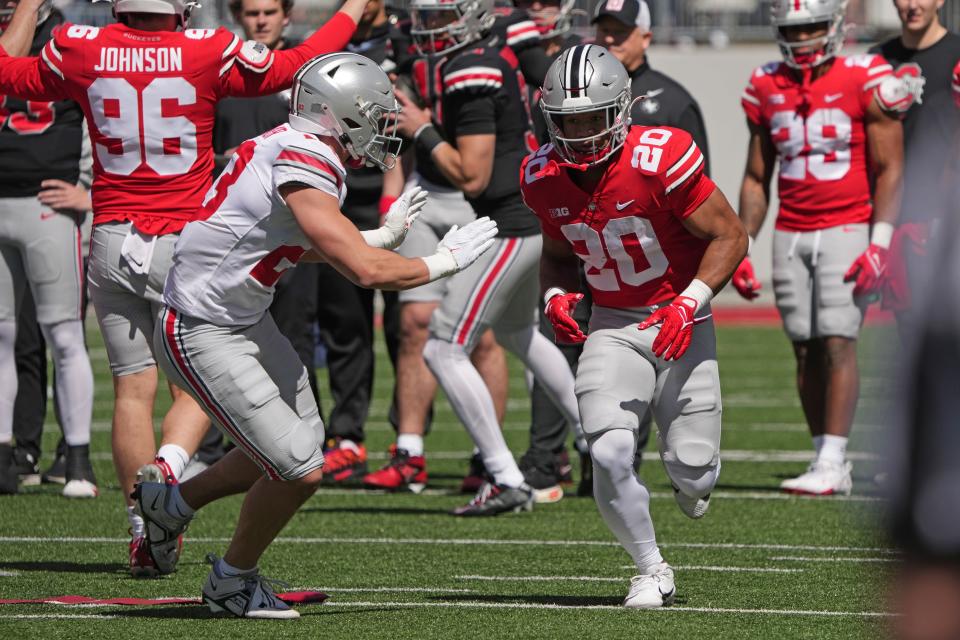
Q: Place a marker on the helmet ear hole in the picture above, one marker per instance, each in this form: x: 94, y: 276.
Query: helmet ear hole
x: 350, y: 122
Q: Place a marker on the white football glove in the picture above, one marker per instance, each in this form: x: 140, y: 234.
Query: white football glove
x: 398, y: 220
x: 461, y: 247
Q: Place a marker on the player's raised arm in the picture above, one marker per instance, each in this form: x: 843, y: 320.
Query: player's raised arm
x: 262, y: 71
x: 19, y: 32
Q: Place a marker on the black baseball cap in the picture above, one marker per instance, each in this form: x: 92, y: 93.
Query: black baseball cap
x: 629, y: 12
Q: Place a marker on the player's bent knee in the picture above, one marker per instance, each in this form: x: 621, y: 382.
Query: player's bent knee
x: 690, y: 450
x: 612, y: 451
x: 693, y: 481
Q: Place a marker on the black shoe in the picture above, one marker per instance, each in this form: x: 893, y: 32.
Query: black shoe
x: 476, y: 475
x: 540, y: 474
x: 494, y: 499
x: 81, y: 483
x: 26, y: 466
x: 8, y: 472
x: 57, y: 473
x: 564, y: 468
x: 585, y: 488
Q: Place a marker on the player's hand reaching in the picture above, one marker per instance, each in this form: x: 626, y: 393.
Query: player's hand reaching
x: 558, y: 307
x: 400, y: 216
x: 411, y: 117
x: 676, y: 331
x: 868, y: 270
x: 745, y: 280
x: 461, y: 247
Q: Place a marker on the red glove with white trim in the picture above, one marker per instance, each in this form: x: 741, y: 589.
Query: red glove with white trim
x: 869, y: 270
x: 745, y: 281
x: 676, y: 331
x: 559, y: 306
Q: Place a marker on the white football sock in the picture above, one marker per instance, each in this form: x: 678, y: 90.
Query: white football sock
x: 136, y: 523
x: 817, y: 443
x: 176, y: 457
x: 8, y: 379
x: 412, y: 443
x: 623, y: 500
x: 473, y: 404
x: 834, y: 449
x: 548, y: 365
x: 74, y: 379
x: 348, y: 444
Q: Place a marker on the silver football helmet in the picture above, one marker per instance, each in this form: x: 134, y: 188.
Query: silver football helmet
x: 349, y: 97
x: 180, y: 8
x: 446, y: 25
x: 810, y: 53
x: 583, y: 79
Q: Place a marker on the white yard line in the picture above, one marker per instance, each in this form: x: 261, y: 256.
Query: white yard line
x: 332, y: 591
x: 833, y: 559
x: 625, y: 577
x: 473, y: 541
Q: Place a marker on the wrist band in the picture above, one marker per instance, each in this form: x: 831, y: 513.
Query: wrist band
x: 700, y: 291
x: 551, y: 293
x: 881, y: 234
x: 749, y: 244
x: 428, y: 137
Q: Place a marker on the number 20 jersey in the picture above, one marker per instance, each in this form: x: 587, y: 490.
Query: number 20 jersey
x: 629, y: 232
x: 819, y: 131
x: 226, y: 265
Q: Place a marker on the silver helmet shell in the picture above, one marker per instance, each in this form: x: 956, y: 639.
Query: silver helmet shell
x: 348, y: 96
x: 469, y: 21
x: 180, y: 8
x: 789, y: 13
x: 7, y: 9
x: 584, y: 79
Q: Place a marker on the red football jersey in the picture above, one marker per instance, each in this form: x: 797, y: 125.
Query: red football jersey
x: 629, y: 231
x: 820, y: 135
x: 149, y: 100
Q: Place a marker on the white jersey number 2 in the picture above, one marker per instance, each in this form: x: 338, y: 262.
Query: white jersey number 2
x: 169, y: 143
x: 600, y: 251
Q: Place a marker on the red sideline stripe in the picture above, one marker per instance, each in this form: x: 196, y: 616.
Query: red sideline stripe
x: 305, y: 158
x: 205, y: 399
x: 484, y: 289
x: 768, y: 316
x: 291, y: 597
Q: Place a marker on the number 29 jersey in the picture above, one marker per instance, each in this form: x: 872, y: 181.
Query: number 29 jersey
x: 227, y: 263
x: 629, y: 232
x: 819, y: 131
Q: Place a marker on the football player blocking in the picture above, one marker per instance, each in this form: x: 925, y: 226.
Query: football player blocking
x: 160, y: 90
x: 217, y: 341
x: 657, y: 240
x: 827, y: 118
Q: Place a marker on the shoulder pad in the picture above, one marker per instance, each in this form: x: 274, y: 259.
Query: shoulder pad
x: 255, y: 56
x: 896, y: 93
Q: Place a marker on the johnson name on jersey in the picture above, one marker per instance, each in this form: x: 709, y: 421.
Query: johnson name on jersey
x: 226, y: 264
x: 629, y: 232
x: 819, y: 131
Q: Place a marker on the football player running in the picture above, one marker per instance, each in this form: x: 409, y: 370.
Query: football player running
x: 657, y: 240
x: 148, y: 87
x: 478, y: 148
x: 277, y: 202
x: 824, y: 117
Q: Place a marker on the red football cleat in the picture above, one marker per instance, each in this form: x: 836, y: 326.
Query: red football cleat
x: 141, y: 564
x: 344, y: 465
x: 402, y: 472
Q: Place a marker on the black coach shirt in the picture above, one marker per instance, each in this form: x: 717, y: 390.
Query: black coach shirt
x: 39, y: 140
x: 930, y: 129
x: 667, y: 104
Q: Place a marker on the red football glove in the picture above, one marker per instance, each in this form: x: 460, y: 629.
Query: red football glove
x: 745, y: 280
x: 868, y: 270
x: 676, y: 330
x: 559, y: 310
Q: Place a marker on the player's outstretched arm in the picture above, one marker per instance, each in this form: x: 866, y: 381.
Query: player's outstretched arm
x: 339, y: 242
x: 18, y: 36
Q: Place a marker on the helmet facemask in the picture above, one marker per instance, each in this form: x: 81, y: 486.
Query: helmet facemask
x: 814, y: 15
x: 595, y: 148
x: 461, y: 27
x: 553, y: 21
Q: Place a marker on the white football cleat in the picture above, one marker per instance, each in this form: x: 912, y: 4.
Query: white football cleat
x: 694, y: 508
x: 246, y: 596
x: 79, y: 488
x: 651, y: 591
x: 822, y: 478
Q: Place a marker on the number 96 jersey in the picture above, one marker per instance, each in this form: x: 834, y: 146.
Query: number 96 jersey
x: 820, y: 136
x: 629, y: 232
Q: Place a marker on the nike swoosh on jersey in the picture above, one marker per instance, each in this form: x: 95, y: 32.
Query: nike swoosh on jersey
x: 833, y: 97
x: 623, y: 205
x: 46, y: 215
x: 653, y: 93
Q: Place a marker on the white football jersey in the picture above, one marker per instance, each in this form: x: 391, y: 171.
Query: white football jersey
x: 227, y: 263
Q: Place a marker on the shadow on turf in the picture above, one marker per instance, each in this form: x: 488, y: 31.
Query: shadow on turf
x: 60, y: 566
x: 560, y: 601
x: 374, y: 510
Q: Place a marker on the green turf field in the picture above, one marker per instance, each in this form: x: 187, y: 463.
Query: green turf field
x: 760, y: 565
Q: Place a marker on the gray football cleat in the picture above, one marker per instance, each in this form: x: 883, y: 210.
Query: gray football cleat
x: 249, y: 595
